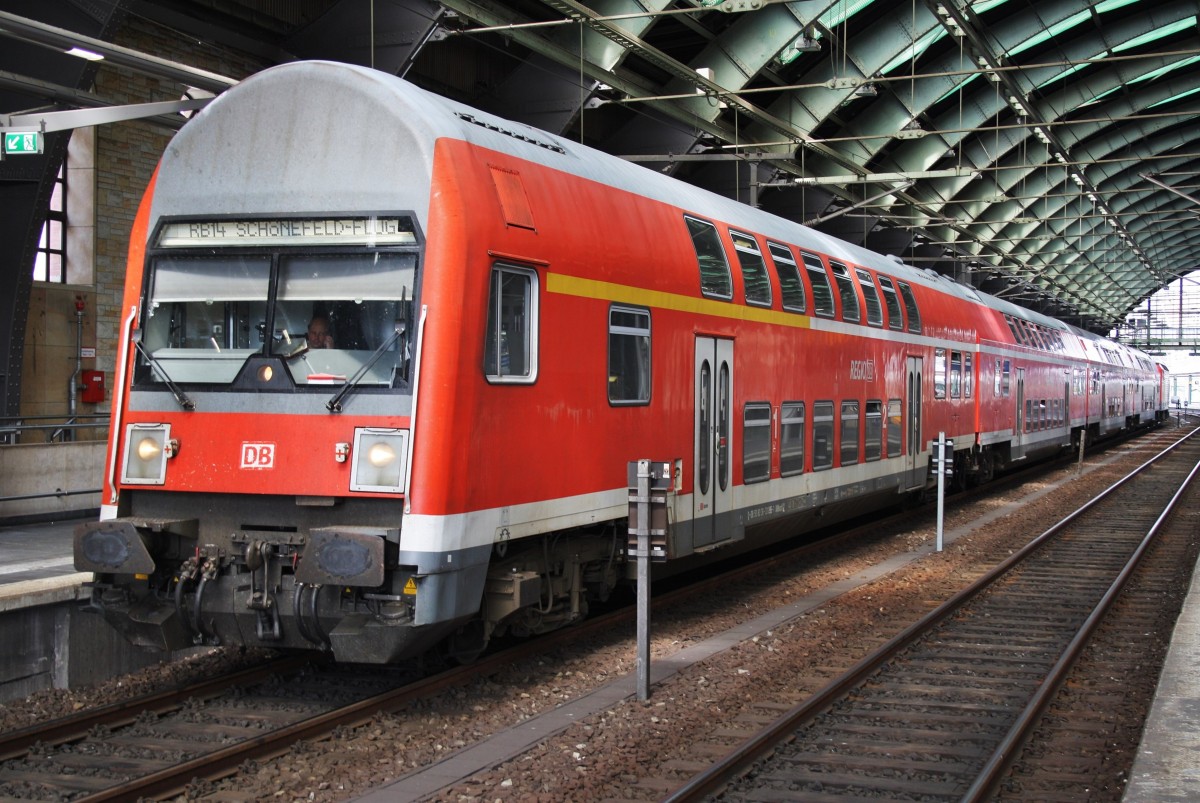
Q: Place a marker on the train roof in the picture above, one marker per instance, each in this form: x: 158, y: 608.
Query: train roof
x: 343, y: 136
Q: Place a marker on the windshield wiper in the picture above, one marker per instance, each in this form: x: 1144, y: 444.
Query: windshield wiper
x: 334, y: 405
x: 184, y: 400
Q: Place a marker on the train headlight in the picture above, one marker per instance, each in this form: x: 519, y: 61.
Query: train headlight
x: 380, y: 458
x: 147, y: 448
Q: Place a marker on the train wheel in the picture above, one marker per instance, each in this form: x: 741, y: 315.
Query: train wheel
x: 468, y: 642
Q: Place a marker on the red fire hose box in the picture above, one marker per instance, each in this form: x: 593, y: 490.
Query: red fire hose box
x: 93, y: 386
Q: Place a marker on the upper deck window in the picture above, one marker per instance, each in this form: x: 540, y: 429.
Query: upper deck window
x: 754, y: 270
x: 1012, y: 327
x: 821, y: 289
x: 910, y: 307
x: 790, y: 286
x: 841, y: 274
x: 870, y: 298
x: 895, y: 318
x: 715, y: 279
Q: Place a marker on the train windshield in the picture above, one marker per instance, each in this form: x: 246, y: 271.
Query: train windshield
x: 327, y: 316
x: 343, y: 308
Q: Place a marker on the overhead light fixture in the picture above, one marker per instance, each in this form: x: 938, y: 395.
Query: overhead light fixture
x: 802, y: 44
x: 866, y: 91
x: 82, y: 53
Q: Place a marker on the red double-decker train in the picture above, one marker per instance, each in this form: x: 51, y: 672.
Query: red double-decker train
x: 385, y: 359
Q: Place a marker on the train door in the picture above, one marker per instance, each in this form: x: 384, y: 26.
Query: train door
x: 1018, y: 452
x: 713, y: 487
x: 914, y: 472
x: 1065, y: 423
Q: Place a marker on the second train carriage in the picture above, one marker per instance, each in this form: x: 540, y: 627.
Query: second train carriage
x: 512, y: 319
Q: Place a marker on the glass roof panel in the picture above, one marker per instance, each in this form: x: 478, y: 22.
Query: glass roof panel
x: 1155, y: 35
x: 915, y: 49
x: 1067, y: 72
x: 986, y: 5
x: 968, y: 79
x: 1174, y: 98
x: 842, y: 11
x: 1161, y: 71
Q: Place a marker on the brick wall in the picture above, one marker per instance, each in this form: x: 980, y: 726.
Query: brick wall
x: 125, y: 157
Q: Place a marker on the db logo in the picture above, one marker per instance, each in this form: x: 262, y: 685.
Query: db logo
x: 258, y: 455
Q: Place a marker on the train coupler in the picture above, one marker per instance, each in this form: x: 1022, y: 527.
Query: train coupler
x: 267, y: 626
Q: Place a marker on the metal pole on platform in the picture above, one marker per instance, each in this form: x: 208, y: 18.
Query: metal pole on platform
x: 941, y: 491
x: 643, y: 580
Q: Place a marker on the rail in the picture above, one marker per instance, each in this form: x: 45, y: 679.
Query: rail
x: 713, y: 779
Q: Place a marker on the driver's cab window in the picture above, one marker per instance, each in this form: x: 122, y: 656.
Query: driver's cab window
x: 510, y: 340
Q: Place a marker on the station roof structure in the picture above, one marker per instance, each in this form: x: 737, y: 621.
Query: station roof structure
x: 1044, y: 151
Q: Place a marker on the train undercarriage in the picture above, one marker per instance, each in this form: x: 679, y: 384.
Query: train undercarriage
x: 341, y: 590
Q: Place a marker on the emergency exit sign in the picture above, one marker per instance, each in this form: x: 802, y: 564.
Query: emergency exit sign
x: 22, y: 142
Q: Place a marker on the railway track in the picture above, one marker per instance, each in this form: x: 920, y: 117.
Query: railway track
x: 939, y: 711
x: 156, y: 746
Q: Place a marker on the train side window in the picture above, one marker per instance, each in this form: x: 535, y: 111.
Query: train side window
x: 1012, y: 325
x: 849, y: 440
x: 910, y: 307
x: 790, y: 286
x: 510, y: 349
x: 841, y: 275
x: 1006, y: 381
x: 996, y: 380
x: 1026, y: 333
x: 873, y: 433
x: 791, y: 438
x: 628, y: 355
x: 939, y: 373
x: 754, y: 270
x: 821, y: 289
x: 870, y: 298
x: 756, y: 442
x: 968, y: 375
x: 822, y: 435
x: 715, y: 280
x: 895, y: 319
x: 956, y: 374
x: 1029, y: 415
x: 895, y: 428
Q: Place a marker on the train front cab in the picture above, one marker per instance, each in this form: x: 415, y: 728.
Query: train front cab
x: 258, y: 473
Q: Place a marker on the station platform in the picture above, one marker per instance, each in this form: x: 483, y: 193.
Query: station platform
x: 49, y: 640
x: 1167, y: 766
x: 36, y: 552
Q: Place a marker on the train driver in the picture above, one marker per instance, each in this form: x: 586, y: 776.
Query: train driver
x: 318, y: 333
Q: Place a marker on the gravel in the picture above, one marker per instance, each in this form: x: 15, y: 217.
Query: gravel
x: 635, y: 750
